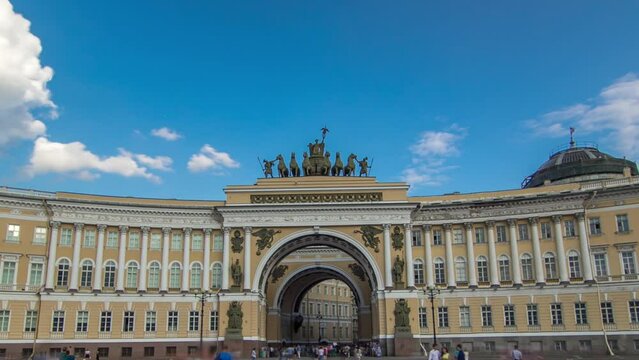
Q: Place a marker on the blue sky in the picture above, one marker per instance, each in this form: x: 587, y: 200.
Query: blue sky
x: 451, y: 96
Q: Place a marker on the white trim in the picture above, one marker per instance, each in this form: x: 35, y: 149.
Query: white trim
x: 524, y: 334
x: 322, y: 189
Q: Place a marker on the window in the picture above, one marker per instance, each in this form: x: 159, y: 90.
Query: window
x: 196, y: 276
x: 154, y: 275
x: 132, y: 275
x: 214, y: 321
x: 127, y: 352
x: 501, y: 233
x: 622, y: 223
x: 633, y: 307
x: 523, y: 231
x: 464, y: 316
x: 437, y: 237
x: 489, y: 346
x: 86, y: 274
x: 526, y: 267
x: 134, y: 240
x: 112, y: 239
x: 486, y: 315
x: 573, y: 264
x: 218, y: 244
x: 30, y: 321
x: 333, y: 310
x: 440, y: 273
x: 65, y: 236
x: 8, y: 272
x: 628, y: 262
x: 509, y: 315
x: 504, y: 268
x: 606, y: 313
x: 482, y: 269
x: 546, y: 230
x: 581, y: 314
x: 129, y: 321
x: 174, y: 276
x: 89, y: 238
x: 460, y: 269
x: 171, y: 350
x: 442, y: 315
x: 479, y: 235
x: 194, y: 320
x: 172, y: 323
x: 423, y: 319
x: 417, y: 237
x: 601, y: 264
x: 196, y: 242
x: 156, y: 241
x: 595, y: 226
x: 217, y: 276
x: 458, y: 236
x: 149, y: 351
x: 569, y: 228
x: 40, y: 235
x: 532, y: 314
x: 556, y: 315
x: 4, y: 320
x: 550, y: 265
x: 13, y: 233
x: 150, y: 321
x: 176, y: 241
x: 105, y: 321
x: 63, y: 272
x: 109, y: 274
x: 585, y: 345
x: 418, y: 267
x: 35, y: 273
x: 57, y: 323
x: 560, y: 345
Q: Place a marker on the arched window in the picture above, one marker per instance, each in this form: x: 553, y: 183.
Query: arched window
x: 440, y: 273
x: 174, y: 276
x: 573, y: 264
x: 482, y: 269
x: 460, y: 269
x: 526, y: 267
x: 196, y: 276
x: 154, y: 275
x: 132, y: 275
x: 550, y: 264
x: 109, y: 274
x: 418, y: 267
x: 86, y: 275
x: 63, y: 272
x: 216, y: 279
x: 504, y: 268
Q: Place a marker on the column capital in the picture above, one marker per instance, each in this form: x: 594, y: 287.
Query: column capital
x: 556, y: 218
x: 447, y: 226
x: 533, y: 220
x: 226, y: 229
x: 123, y: 228
x: 78, y: 226
x: 166, y: 230
x: 187, y: 231
x: 247, y: 230
x: 55, y: 224
x: 427, y: 227
x: 408, y: 226
x: 580, y: 215
x: 145, y: 229
x: 468, y: 226
x: 490, y: 223
x: 208, y: 231
x: 512, y: 222
x: 386, y: 226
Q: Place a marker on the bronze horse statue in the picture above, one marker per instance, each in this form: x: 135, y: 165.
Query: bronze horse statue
x: 336, y: 170
x: 294, y: 168
x: 281, y: 166
x: 349, y: 170
x: 306, y: 165
x: 325, y: 168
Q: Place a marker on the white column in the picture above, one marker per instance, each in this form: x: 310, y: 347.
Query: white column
x: 164, y: 281
x: 514, y: 252
x: 119, y: 286
x: 585, y: 249
x: 492, y: 255
x: 470, y: 253
x: 53, y: 247
x: 388, y: 273
x: 450, y: 261
x: 186, y: 260
x: 247, y: 259
x: 99, y: 260
x: 408, y: 242
x: 430, y: 278
x: 537, y: 255
x: 144, y: 259
x: 226, y: 255
x: 75, y: 262
x: 561, y: 251
x: 206, y: 280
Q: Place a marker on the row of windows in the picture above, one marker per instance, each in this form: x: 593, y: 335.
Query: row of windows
x: 316, y: 309
x: 532, y: 314
x: 339, y: 332
x: 343, y: 291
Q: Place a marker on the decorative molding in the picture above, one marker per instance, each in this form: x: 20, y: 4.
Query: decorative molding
x: 316, y: 198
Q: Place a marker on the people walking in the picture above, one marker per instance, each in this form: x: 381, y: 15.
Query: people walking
x: 459, y: 353
x: 517, y: 355
x: 445, y: 354
x: 434, y: 353
x: 253, y: 354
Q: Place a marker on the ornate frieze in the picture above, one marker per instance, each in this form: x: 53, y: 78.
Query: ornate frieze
x: 316, y: 198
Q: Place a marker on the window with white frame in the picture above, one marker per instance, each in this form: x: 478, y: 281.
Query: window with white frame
x: 156, y: 241
x: 89, y: 238
x: 532, y: 314
x: 500, y: 230
x: 30, y: 321
x: 606, y: 313
x: 134, y: 240
x: 527, y: 272
x: 482, y: 269
x: 197, y: 242
x: 460, y: 269
x: 214, y: 321
x: 40, y: 235
x: 628, y: 262
x: 4, y: 320
x: 65, y: 236
x: 601, y: 264
x: 216, y: 277
x: 480, y: 237
x: 176, y: 241
x: 633, y: 308
x: 442, y: 316
x: 509, y: 315
x: 13, y: 233
x: 464, y: 316
x: 112, y: 239
x: 556, y: 315
x: 86, y: 274
x: 218, y: 244
x: 523, y: 231
x: 581, y: 313
x: 417, y: 237
x: 504, y: 268
x: 8, y: 270
x: 622, y: 223
x: 196, y: 276
x: 418, y: 267
x: 175, y: 273
x: 109, y: 274
x: 595, y: 226
x: 172, y: 321
x: 550, y: 264
x: 546, y: 230
x: 154, y: 275
x: 132, y: 275
x: 486, y: 315
x: 440, y: 272
x: 128, y: 322
x: 36, y: 269
x: 569, y: 228
x: 63, y: 272
x: 82, y: 321
x: 458, y: 236
x: 57, y: 322
x: 150, y: 321
x: 437, y: 237
x: 574, y: 264
x: 194, y: 320
x: 105, y: 321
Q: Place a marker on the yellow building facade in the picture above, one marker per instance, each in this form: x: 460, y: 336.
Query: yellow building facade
x: 550, y: 268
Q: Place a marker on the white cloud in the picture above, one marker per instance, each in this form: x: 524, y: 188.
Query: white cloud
x: 430, y: 154
x: 23, y: 80
x: 166, y: 134
x: 75, y: 160
x: 209, y: 158
x: 612, y: 117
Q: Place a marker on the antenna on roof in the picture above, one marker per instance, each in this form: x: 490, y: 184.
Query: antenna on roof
x: 572, y: 140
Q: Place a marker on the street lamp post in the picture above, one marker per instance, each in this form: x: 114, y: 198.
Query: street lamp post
x: 319, y: 318
x: 432, y: 292
x: 202, y: 297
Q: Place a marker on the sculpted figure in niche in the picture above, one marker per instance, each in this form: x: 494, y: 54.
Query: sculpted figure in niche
x: 235, y: 315
x: 398, y: 270
x: 236, y: 273
x: 401, y: 313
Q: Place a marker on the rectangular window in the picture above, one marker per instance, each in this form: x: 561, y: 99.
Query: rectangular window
x: 13, y: 233
x: 560, y: 345
x: 215, y: 321
x: 105, y: 321
x: 622, y: 223
x: 417, y: 237
x: 4, y: 320
x: 418, y: 272
x: 458, y: 236
x: 423, y: 319
x: 437, y: 237
x: 606, y: 313
x: 103, y: 352
x: 176, y: 241
x: 197, y: 241
x: 171, y: 350
x: 40, y: 235
x: 150, y: 322
x: 65, y: 236
x: 112, y: 239
x: 82, y: 321
x: 546, y: 230
x: 486, y: 315
x: 89, y: 238
x: 156, y: 241
x: 569, y: 228
x: 57, y: 323
x: 482, y: 270
x: 585, y: 345
x: 8, y: 272
x: 149, y: 351
x: 628, y: 262
x: 509, y: 315
x: 134, y: 240
x: 581, y: 314
x: 633, y: 307
x: 35, y: 274
x: 556, y: 315
x: 218, y: 244
x: 30, y: 321
x: 532, y: 314
x: 442, y: 315
x: 129, y: 321
x: 501, y: 233
x: 523, y: 231
x: 440, y: 274
x: 601, y: 264
x: 172, y: 323
x: 127, y: 352
x: 595, y: 226
x: 464, y: 316
x: 479, y: 235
